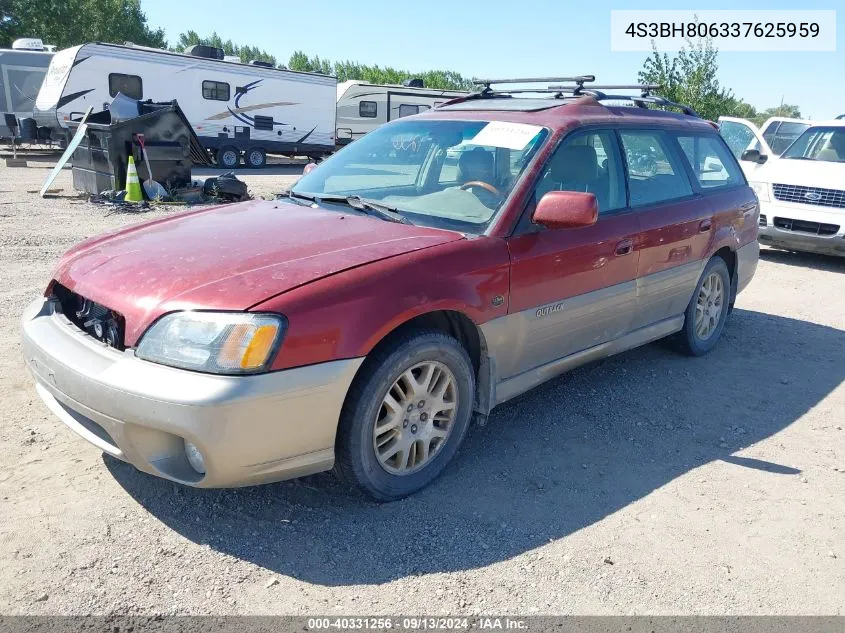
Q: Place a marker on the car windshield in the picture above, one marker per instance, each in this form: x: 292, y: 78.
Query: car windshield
x: 446, y: 174
x: 819, y: 143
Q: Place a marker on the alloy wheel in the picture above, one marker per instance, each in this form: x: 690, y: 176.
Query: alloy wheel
x: 415, y: 418
x: 708, y: 307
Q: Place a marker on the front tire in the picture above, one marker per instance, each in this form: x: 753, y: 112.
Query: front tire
x: 707, y: 310
x: 406, y: 415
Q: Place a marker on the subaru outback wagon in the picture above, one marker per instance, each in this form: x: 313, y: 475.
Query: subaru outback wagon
x: 426, y: 273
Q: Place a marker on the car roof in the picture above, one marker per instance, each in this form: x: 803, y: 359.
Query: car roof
x: 559, y: 114
x: 831, y: 123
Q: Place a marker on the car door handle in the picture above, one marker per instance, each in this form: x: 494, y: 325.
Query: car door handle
x: 624, y: 247
x: 705, y: 226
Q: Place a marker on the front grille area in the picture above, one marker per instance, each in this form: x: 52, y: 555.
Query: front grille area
x: 762, y: 221
x: 802, y: 226
x: 810, y: 195
x: 97, y: 320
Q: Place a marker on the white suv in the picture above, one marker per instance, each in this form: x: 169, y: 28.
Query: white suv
x: 802, y: 191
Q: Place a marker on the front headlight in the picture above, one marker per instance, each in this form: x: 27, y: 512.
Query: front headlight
x: 761, y: 189
x: 214, y: 342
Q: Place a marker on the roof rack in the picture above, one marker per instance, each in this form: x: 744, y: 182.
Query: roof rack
x: 574, y: 88
x: 640, y: 101
x: 579, y: 80
x: 578, y: 89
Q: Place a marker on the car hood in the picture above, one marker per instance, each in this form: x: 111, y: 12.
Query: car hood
x: 230, y: 257
x: 809, y: 173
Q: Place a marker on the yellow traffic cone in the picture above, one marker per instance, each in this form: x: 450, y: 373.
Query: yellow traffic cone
x: 133, y: 185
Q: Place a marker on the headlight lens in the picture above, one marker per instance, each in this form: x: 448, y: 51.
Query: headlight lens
x: 215, y: 342
x: 761, y: 189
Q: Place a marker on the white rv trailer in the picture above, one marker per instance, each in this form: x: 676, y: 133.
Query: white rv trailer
x: 234, y: 108
x: 22, y: 69
x: 362, y: 107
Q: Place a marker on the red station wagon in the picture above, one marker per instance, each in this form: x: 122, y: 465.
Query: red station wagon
x: 426, y: 273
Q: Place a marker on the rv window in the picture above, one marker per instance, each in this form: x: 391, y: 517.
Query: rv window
x: 215, y: 90
x: 408, y: 110
x: 368, y: 109
x: 130, y: 85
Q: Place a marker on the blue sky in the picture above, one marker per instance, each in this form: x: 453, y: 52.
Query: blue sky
x: 496, y: 38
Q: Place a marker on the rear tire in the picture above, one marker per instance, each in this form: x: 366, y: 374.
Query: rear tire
x: 228, y: 157
x: 255, y: 158
x: 405, y: 415
x: 707, y: 311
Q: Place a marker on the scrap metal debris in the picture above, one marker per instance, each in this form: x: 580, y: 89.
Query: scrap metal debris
x: 226, y: 187
x: 216, y: 190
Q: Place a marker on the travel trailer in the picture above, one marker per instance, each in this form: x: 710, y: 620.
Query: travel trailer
x: 22, y: 69
x: 236, y: 109
x: 362, y: 107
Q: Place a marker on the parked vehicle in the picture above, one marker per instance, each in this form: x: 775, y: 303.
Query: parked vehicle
x: 234, y: 108
x: 22, y: 69
x: 781, y: 132
x: 362, y: 106
x: 802, y: 192
x: 362, y: 321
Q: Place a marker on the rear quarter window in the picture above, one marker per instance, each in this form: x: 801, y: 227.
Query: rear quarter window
x: 710, y: 161
x: 655, y: 174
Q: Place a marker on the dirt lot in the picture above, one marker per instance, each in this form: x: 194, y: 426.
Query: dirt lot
x: 649, y: 483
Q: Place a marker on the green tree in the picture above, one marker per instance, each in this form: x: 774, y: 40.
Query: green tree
x: 66, y: 23
x: 785, y: 110
x: 346, y: 70
x: 246, y: 53
x: 8, y: 23
x: 690, y: 78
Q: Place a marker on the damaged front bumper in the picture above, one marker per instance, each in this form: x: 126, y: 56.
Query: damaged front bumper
x: 249, y: 429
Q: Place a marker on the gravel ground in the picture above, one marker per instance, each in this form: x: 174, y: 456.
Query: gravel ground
x: 650, y: 483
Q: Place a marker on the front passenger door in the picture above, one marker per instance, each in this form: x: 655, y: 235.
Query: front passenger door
x: 572, y: 289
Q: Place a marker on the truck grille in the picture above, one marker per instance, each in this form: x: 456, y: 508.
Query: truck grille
x: 810, y: 195
x: 97, y: 320
x: 802, y: 226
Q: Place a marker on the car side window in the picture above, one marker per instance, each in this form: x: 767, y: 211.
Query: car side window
x: 587, y: 162
x: 710, y: 161
x: 739, y: 137
x: 786, y: 134
x: 769, y: 132
x: 654, y: 174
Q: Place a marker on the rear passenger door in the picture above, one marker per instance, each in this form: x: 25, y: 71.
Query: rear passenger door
x: 572, y: 289
x: 675, y: 225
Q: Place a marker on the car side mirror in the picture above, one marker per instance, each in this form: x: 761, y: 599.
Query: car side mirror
x: 566, y: 210
x: 754, y: 156
x: 309, y: 168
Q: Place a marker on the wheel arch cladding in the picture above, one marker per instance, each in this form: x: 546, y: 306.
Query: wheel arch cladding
x: 460, y: 327
x: 729, y: 257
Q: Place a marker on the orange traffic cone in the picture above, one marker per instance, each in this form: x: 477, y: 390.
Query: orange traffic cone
x: 133, y: 184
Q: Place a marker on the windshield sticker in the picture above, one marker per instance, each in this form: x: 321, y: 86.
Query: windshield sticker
x: 510, y: 135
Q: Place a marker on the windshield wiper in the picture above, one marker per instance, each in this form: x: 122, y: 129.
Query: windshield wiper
x: 383, y: 211
x: 369, y: 207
